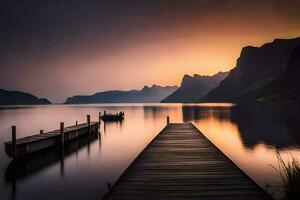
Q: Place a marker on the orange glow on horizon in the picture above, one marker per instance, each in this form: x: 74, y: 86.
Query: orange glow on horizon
x: 164, y: 57
x: 155, y: 47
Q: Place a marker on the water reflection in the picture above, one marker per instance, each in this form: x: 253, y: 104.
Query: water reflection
x: 112, y: 123
x: 25, y: 167
x: 276, y: 126
x: 250, y: 136
x: 196, y: 113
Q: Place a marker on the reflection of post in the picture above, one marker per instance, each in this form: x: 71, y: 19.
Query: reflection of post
x: 88, y: 149
x: 76, y: 144
x: 99, y: 139
x: 14, y: 179
x: 62, y: 162
x: 98, y: 133
x: 104, y: 127
x: 121, y: 124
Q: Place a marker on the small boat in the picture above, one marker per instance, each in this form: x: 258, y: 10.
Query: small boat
x: 112, y: 117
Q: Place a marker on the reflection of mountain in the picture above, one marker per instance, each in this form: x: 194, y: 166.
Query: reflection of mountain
x: 197, y: 113
x: 147, y: 94
x: 275, y: 126
x: 29, y: 165
x: 156, y: 111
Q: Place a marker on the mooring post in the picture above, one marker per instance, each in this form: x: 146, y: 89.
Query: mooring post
x: 62, y: 133
x: 41, y: 131
x: 99, y: 119
x: 168, y: 119
x: 76, y: 123
x: 104, y: 112
x: 88, y: 118
x: 13, y: 139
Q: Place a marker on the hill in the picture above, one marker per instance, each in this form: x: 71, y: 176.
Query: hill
x: 146, y: 95
x: 194, y: 87
x: 256, y: 67
x: 20, y: 98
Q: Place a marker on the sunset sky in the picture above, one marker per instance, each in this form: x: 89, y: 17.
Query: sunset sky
x: 56, y: 49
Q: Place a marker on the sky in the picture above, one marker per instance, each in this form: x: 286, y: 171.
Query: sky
x: 56, y: 49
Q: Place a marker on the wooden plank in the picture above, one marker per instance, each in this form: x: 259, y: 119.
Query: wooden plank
x: 37, y: 142
x: 181, y: 163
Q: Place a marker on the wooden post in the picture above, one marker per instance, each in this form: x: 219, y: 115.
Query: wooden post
x: 41, y: 131
x: 13, y: 139
x: 88, y: 118
x: 76, y: 123
x: 62, y: 134
x: 168, y: 119
x: 104, y: 112
x: 99, y: 119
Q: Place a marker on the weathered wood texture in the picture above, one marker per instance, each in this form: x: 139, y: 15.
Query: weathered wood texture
x: 34, y: 143
x: 181, y: 163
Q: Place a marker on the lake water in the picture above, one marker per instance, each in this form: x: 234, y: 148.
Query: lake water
x: 250, y: 136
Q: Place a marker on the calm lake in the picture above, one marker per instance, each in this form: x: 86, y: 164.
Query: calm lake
x: 250, y: 136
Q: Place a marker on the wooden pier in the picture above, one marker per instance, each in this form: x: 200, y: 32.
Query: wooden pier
x: 181, y: 163
x: 35, y: 143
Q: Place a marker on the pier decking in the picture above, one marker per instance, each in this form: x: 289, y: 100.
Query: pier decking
x: 38, y: 142
x: 181, y: 163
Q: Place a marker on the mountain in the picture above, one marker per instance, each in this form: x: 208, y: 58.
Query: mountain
x: 256, y: 67
x: 194, y: 87
x: 147, y: 94
x: 286, y: 87
x: 20, y: 98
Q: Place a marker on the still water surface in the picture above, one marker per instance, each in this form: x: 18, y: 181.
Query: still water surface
x: 250, y: 136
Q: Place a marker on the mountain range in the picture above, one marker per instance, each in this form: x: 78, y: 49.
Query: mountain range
x: 269, y: 73
x: 146, y: 95
x: 261, y: 74
x: 20, y: 98
x: 194, y: 87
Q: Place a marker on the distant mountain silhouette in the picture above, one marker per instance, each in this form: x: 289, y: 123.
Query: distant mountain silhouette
x: 20, y: 98
x: 256, y: 67
x: 194, y: 87
x: 147, y: 94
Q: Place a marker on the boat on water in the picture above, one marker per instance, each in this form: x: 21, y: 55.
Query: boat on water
x: 112, y: 117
